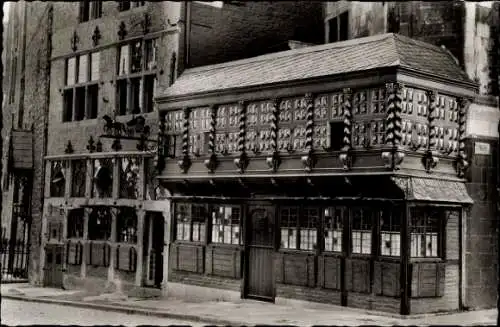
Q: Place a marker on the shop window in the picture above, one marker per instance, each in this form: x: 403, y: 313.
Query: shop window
x: 361, y: 235
x: 298, y: 229
x: 425, y: 230
x: 333, y: 224
x: 100, y: 224
x: 390, y: 233
x: 136, y: 76
x: 90, y: 10
x: 103, y: 178
x: 126, y: 5
x: 226, y: 224
x: 126, y: 225
x: 339, y: 28
x: 75, y: 223
x: 191, y: 222
x: 81, y: 93
x: 57, y: 180
x: 78, y: 177
x: 129, y: 178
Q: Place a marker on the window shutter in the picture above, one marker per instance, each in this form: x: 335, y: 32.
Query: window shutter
x: 71, y: 71
x: 95, y: 62
x: 124, y: 60
x: 83, y: 69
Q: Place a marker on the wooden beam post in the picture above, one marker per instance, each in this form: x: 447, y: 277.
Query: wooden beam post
x: 86, y: 213
x: 405, y: 281
x: 140, y: 243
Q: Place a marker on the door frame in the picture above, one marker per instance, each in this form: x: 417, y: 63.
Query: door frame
x: 151, y: 217
x: 247, y: 207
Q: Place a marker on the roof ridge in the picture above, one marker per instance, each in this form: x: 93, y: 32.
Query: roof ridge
x: 287, y: 53
x: 427, y: 45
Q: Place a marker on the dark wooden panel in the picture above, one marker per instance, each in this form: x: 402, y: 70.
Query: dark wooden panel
x: 386, y: 279
x: 329, y: 275
x: 189, y: 258
x: 357, y: 275
x: 126, y: 258
x: 260, y: 283
x: 299, y: 269
x: 279, y: 270
x: 428, y: 279
x: 98, y: 254
x: 223, y: 262
x: 74, y: 253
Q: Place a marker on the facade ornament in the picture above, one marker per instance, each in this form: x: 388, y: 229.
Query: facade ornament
x: 122, y: 31
x: 96, y: 36
x: 430, y: 159
x: 394, y: 156
x: 274, y: 160
x: 309, y: 160
x: 346, y: 154
x: 211, y: 163
x: 185, y: 162
x: 91, y: 147
x: 69, y: 148
x: 242, y: 161
x: 74, y: 41
x: 462, y: 164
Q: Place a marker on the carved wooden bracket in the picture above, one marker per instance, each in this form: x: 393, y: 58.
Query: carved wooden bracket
x: 211, y: 163
x: 242, y: 162
x: 274, y: 161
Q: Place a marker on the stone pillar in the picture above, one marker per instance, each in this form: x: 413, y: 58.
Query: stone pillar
x: 112, y: 245
x: 86, y: 213
x: 140, y: 247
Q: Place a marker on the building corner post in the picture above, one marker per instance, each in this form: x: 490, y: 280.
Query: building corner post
x: 405, y: 280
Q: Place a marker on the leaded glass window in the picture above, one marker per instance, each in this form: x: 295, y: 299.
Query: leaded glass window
x: 226, y: 224
x: 361, y: 235
x: 333, y: 228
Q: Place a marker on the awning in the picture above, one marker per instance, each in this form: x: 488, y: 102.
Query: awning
x: 435, y: 190
x: 21, y: 150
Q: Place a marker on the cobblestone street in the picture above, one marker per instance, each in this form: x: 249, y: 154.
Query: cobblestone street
x: 29, y: 313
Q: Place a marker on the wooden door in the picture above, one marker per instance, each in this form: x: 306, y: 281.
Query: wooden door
x: 53, y: 266
x: 260, y: 249
x: 155, y: 243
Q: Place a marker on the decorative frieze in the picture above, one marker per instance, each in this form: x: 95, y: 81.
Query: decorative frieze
x: 274, y: 160
x: 462, y: 163
x: 185, y: 162
x: 242, y: 161
x: 308, y: 159
x: 430, y: 160
x: 393, y: 136
x: 211, y: 162
x: 346, y: 155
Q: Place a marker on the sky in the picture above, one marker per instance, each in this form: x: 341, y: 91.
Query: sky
x: 5, y: 11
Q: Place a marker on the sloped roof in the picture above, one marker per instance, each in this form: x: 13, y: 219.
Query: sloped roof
x: 427, y: 189
x: 380, y: 51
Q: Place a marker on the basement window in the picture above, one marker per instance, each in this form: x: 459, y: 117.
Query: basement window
x: 339, y: 28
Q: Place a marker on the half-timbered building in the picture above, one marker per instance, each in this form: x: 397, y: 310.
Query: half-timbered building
x: 332, y: 173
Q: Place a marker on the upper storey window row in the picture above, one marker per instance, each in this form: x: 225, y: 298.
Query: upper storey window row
x: 80, y: 95
x: 90, y: 10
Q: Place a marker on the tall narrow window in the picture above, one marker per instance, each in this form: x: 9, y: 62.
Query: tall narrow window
x: 78, y: 176
x: 96, y: 11
x: 336, y: 134
x: 226, y: 224
x: 100, y: 224
x: 57, y: 179
x: 390, y: 232
x: 75, y: 223
x: 339, y: 28
x: 289, y: 219
x: 90, y: 9
x: 361, y: 236
x: 308, y: 229
x: 126, y: 225
x: 84, y: 11
x: 333, y: 225
x: 136, y: 76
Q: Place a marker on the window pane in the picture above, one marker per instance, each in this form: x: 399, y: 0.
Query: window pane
x: 79, y: 172
x: 122, y: 96
x: 149, y: 86
x: 68, y: 105
x: 83, y: 69
x: 150, y: 54
x: 92, y: 101
x: 80, y: 103
x: 124, y: 60
x: 96, y: 9
x: 71, y: 71
x: 333, y: 229
x: 75, y: 223
x: 183, y: 220
x: 361, y: 231
x: 95, y: 62
x: 124, y: 5
x: 135, y: 95
x: 136, y: 57
x: 126, y: 225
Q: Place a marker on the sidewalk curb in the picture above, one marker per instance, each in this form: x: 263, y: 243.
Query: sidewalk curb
x: 127, y: 310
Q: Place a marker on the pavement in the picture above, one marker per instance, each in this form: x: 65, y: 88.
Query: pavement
x: 243, y: 312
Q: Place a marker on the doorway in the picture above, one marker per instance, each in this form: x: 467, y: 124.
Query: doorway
x: 155, y: 232
x: 259, y: 281
x: 53, y: 270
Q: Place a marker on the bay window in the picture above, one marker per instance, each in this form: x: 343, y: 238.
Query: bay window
x: 361, y: 234
x: 425, y: 230
x: 299, y: 228
x: 81, y: 93
x: 226, y: 224
x: 190, y: 222
x: 333, y: 228
x: 136, y: 81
